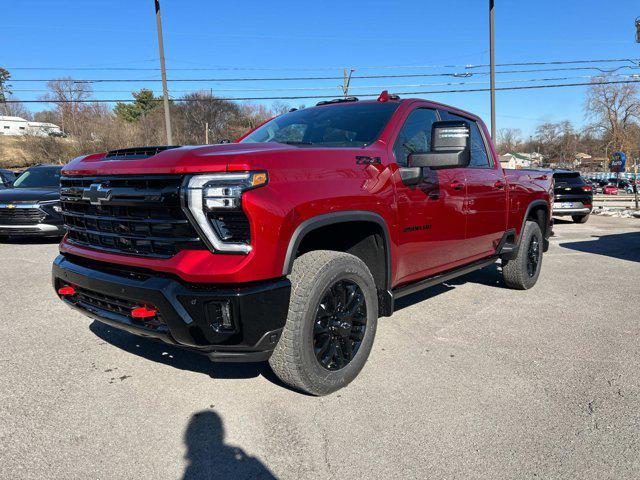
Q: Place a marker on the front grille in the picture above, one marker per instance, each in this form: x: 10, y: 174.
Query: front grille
x: 85, y: 297
x: 21, y: 216
x: 133, y: 214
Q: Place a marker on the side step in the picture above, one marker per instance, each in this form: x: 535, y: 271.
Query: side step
x: 442, y: 277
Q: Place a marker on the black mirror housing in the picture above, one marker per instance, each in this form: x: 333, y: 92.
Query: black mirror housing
x: 411, y: 175
x: 450, y: 147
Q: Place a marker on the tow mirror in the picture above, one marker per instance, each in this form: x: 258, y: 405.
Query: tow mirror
x: 411, y: 175
x: 450, y: 147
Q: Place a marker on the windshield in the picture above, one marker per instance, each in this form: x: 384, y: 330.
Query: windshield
x: 340, y: 125
x: 41, y: 177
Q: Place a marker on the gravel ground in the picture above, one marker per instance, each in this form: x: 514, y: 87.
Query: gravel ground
x: 465, y: 380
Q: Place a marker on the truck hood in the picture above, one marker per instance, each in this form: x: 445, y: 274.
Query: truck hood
x: 189, y: 159
x: 28, y: 195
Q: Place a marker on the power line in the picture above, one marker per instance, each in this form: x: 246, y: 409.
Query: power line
x: 357, y: 87
x: 301, y: 97
x: 268, y: 79
x: 365, y: 67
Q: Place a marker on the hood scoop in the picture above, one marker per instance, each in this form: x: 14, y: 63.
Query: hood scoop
x: 137, y: 153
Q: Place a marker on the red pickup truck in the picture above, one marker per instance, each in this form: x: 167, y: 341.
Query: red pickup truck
x: 288, y: 244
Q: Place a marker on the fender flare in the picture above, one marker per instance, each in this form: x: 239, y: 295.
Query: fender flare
x: 531, y: 206
x: 332, y: 218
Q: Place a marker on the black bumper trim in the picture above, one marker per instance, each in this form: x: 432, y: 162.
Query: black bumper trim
x: 259, y: 310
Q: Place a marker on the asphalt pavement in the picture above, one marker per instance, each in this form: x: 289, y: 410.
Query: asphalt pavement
x: 465, y: 380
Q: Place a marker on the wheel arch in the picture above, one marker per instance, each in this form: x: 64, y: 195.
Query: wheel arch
x: 369, y: 225
x: 538, y: 211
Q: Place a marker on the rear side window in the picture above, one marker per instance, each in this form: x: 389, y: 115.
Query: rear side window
x: 479, y: 157
x: 415, y: 136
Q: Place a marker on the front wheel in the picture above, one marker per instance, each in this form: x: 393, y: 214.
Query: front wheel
x: 331, y: 324
x: 522, y: 272
x: 580, y: 218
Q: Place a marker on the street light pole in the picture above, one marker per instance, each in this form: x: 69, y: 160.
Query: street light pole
x: 165, y: 90
x: 492, y: 72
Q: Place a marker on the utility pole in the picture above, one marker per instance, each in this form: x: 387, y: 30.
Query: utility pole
x: 492, y: 72
x: 206, y: 133
x: 165, y: 90
x: 346, y: 81
x: 635, y: 162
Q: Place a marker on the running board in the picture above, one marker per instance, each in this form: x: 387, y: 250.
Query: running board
x: 442, y: 277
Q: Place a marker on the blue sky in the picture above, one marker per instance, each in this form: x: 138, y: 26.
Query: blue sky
x: 299, y: 38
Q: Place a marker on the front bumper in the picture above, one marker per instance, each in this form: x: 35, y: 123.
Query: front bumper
x: 38, y: 229
x: 188, y: 315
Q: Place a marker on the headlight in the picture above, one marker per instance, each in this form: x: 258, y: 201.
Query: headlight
x: 219, y: 192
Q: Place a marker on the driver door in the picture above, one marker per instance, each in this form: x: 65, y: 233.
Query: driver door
x: 431, y: 217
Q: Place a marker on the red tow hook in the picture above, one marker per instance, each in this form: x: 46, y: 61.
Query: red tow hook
x: 143, y: 312
x: 66, y: 290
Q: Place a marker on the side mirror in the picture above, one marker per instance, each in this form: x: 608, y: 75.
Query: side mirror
x: 450, y: 147
x: 411, y: 175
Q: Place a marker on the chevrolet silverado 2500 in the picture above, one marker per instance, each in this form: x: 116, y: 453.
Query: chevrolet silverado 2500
x: 288, y: 244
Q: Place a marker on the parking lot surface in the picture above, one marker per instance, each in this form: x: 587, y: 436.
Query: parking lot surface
x: 465, y: 380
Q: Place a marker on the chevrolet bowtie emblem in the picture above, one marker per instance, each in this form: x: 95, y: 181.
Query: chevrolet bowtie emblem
x: 96, y: 194
x: 11, y: 206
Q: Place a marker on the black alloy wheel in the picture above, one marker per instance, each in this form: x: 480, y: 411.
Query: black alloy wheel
x: 533, y: 256
x: 340, y: 325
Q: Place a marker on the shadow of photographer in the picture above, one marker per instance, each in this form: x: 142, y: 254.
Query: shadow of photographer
x: 208, y: 457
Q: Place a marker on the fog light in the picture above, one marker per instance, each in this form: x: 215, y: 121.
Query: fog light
x: 219, y: 316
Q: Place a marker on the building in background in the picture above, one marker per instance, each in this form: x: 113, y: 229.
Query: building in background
x: 521, y: 160
x: 14, y: 126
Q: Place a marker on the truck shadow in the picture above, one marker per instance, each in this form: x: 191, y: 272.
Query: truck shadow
x: 624, y: 246
x: 489, y: 276
x: 209, y: 457
x: 182, y: 359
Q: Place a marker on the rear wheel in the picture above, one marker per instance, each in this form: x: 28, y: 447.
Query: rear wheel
x: 580, y: 218
x: 522, y: 272
x: 331, y: 324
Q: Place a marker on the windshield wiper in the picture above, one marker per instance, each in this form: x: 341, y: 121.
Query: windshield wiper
x: 296, y: 143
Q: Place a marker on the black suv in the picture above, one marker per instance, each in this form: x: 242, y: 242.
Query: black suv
x: 32, y: 205
x: 572, y: 196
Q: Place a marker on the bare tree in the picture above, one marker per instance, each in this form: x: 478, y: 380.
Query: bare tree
x: 509, y: 140
x: 614, y: 110
x: 197, y: 110
x: 69, y: 96
x: 558, y: 142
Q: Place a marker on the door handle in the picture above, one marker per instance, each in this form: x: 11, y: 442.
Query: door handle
x: 456, y: 185
x: 499, y: 185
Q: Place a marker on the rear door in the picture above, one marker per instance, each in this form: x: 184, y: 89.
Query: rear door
x: 431, y: 219
x: 486, y: 202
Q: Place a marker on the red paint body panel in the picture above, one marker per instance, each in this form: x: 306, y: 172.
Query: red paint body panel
x: 304, y: 182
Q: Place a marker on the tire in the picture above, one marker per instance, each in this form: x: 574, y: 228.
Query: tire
x: 580, y: 218
x: 316, y: 276
x: 517, y: 273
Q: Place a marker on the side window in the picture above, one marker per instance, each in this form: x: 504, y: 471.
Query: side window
x: 415, y: 135
x: 479, y: 157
